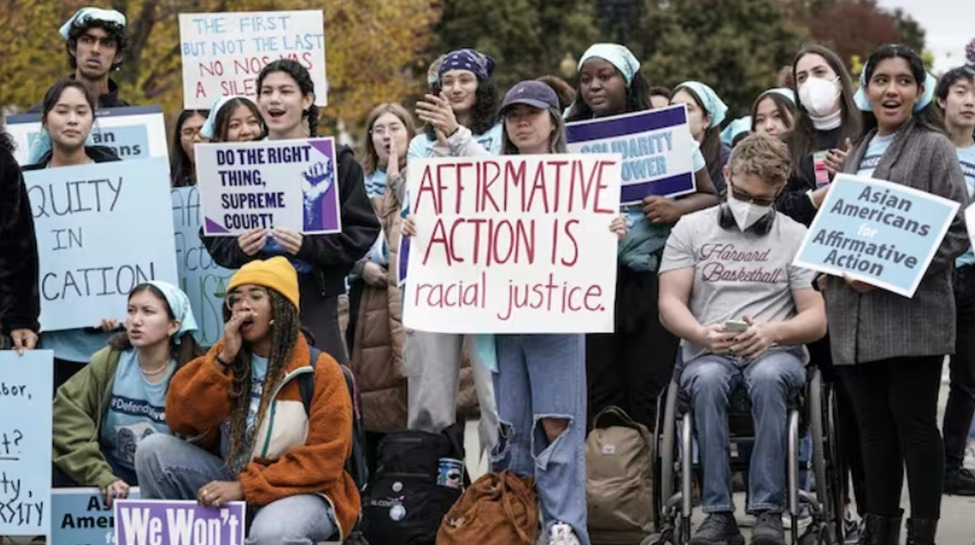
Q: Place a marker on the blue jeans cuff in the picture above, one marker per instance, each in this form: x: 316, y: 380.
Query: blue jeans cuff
x: 724, y: 508
x: 765, y: 507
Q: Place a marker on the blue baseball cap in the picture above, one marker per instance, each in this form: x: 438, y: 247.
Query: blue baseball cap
x: 533, y: 93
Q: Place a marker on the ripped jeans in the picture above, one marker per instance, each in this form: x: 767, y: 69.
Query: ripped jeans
x: 543, y: 376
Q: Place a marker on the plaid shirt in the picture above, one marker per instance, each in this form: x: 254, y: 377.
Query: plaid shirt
x: 19, y: 299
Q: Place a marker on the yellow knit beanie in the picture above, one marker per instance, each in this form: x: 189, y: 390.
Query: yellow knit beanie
x: 275, y: 273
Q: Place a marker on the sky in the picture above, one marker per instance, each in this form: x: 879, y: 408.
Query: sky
x: 949, y: 25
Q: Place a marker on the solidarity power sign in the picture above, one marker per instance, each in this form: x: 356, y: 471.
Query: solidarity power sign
x: 100, y: 232
x: 878, y: 232
x: 151, y: 522
x: 656, y: 145
x: 223, y: 53
x: 515, y: 244
x: 266, y: 185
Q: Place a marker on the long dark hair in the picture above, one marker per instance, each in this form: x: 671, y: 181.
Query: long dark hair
x: 484, y: 114
x: 301, y: 76
x: 929, y: 117
x: 183, y: 349
x: 181, y: 171
x: 802, y: 138
x: 53, y: 95
x: 785, y: 107
x: 556, y: 142
x: 284, y: 336
x: 711, y: 143
x: 222, y: 122
x: 637, y: 99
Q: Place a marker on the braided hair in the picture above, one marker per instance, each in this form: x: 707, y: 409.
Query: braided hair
x: 303, y: 78
x: 284, y: 335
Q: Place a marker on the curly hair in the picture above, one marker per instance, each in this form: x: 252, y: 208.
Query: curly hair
x: 484, y: 114
x: 301, y: 76
x: 115, y: 31
x: 284, y: 335
x: 183, y: 349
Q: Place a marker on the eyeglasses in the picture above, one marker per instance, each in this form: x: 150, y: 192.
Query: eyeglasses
x: 383, y: 130
x: 744, y: 196
x: 253, y: 296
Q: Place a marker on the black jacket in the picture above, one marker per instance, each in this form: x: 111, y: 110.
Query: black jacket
x: 19, y: 300
x: 793, y: 201
x: 332, y: 256
x: 108, y: 100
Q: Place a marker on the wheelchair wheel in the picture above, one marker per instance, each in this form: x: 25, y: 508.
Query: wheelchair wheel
x: 820, y: 423
x: 667, y: 537
x: 668, y: 449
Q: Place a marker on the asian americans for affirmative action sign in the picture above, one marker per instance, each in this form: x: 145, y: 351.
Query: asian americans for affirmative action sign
x: 100, y: 232
x: 878, y: 232
x: 223, y: 53
x: 515, y: 244
x: 269, y: 184
x: 656, y: 145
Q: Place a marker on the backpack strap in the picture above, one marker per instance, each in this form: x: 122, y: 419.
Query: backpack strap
x: 306, y: 381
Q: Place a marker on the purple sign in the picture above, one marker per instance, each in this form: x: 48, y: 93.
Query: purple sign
x: 267, y: 185
x: 163, y: 522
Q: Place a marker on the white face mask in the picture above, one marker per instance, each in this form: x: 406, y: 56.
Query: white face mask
x: 746, y: 213
x: 819, y: 96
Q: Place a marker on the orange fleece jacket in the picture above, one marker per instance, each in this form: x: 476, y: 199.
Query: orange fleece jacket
x: 199, y: 401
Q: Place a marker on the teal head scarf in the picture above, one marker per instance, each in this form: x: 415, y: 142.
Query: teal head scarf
x: 179, y: 303
x: 860, y: 98
x: 709, y: 99
x: 84, y: 16
x: 615, y: 54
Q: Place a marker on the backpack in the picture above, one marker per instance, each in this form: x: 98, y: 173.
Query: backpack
x: 404, y: 504
x: 355, y: 465
x: 498, y: 509
x: 619, y: 470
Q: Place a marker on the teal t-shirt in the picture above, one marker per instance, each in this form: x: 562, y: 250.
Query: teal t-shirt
x: 875, y: 151
x: 136, y: 409
x: 258, y: 375
x: 966, y: 156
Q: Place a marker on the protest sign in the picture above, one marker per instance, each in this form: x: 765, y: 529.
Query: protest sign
x: 79, y: 516
x: 101, y: 230
x: 223, y: 53
x: 200, y: 277
x: 148, y: 522
x: 269, y: 184
x: 656, y: 145
x: 25, y: 442
x: 517, y: 244
x: 133, y: 133
x: 878, y: 232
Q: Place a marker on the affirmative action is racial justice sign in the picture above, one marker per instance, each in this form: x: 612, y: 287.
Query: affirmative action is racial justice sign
x: 25, y: 442
x: 517, y: 244
x: 100, y: 232
x: 154, y: 522
x: 877, y: 232
x: 656, y: 145
x: 132, y: 133
x: 269, y: 184
x: 223, y: 53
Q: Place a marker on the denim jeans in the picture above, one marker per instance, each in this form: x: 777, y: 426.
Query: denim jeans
x: 544, y: 376
x: 171, y: 469
x: 769, y: 381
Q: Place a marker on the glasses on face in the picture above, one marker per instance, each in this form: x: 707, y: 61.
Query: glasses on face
x: 383, y: 130
x: 745, y: 196
x: 190, y: 132
x: 235, y: 298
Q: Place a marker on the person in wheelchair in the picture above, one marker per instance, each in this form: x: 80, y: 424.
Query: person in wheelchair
x: 744, y: 312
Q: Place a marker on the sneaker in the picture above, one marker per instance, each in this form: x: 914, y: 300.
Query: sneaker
x: 718, y: 529
x: 562, y: 534
x: 768, y: 530
x: 851, y: 531
x: 959, y: 482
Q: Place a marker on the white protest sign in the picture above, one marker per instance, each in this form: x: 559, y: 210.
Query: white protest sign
x: 518, y: 244
x: 102, y: 229
x: 132, y: 133
x: 25, y: 442
x: 269, y: 184
x: 223, y: 53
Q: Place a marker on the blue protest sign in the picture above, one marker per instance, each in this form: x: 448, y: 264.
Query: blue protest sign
x: 148, y: 522
x: 877, y: 232
x: 102, y: 229
x: 269, y: 184
x: 25, y: 442
x: 656, y: 145
x: 204, y: 282
x: 79, y: 516
x: 133, y: 133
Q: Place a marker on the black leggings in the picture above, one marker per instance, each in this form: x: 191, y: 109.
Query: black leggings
x: 961, y: 396
x: 897, y: 404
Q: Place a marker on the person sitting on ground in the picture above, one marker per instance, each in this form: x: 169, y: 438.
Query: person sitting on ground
x: 729, y: 290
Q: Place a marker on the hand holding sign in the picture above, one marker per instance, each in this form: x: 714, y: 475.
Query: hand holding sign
x: 289, y: 239
x: 252, y: 241
x: 117, y: 490
x: 220, y: 493
x: 661, y: 209
x: 24, y: 339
